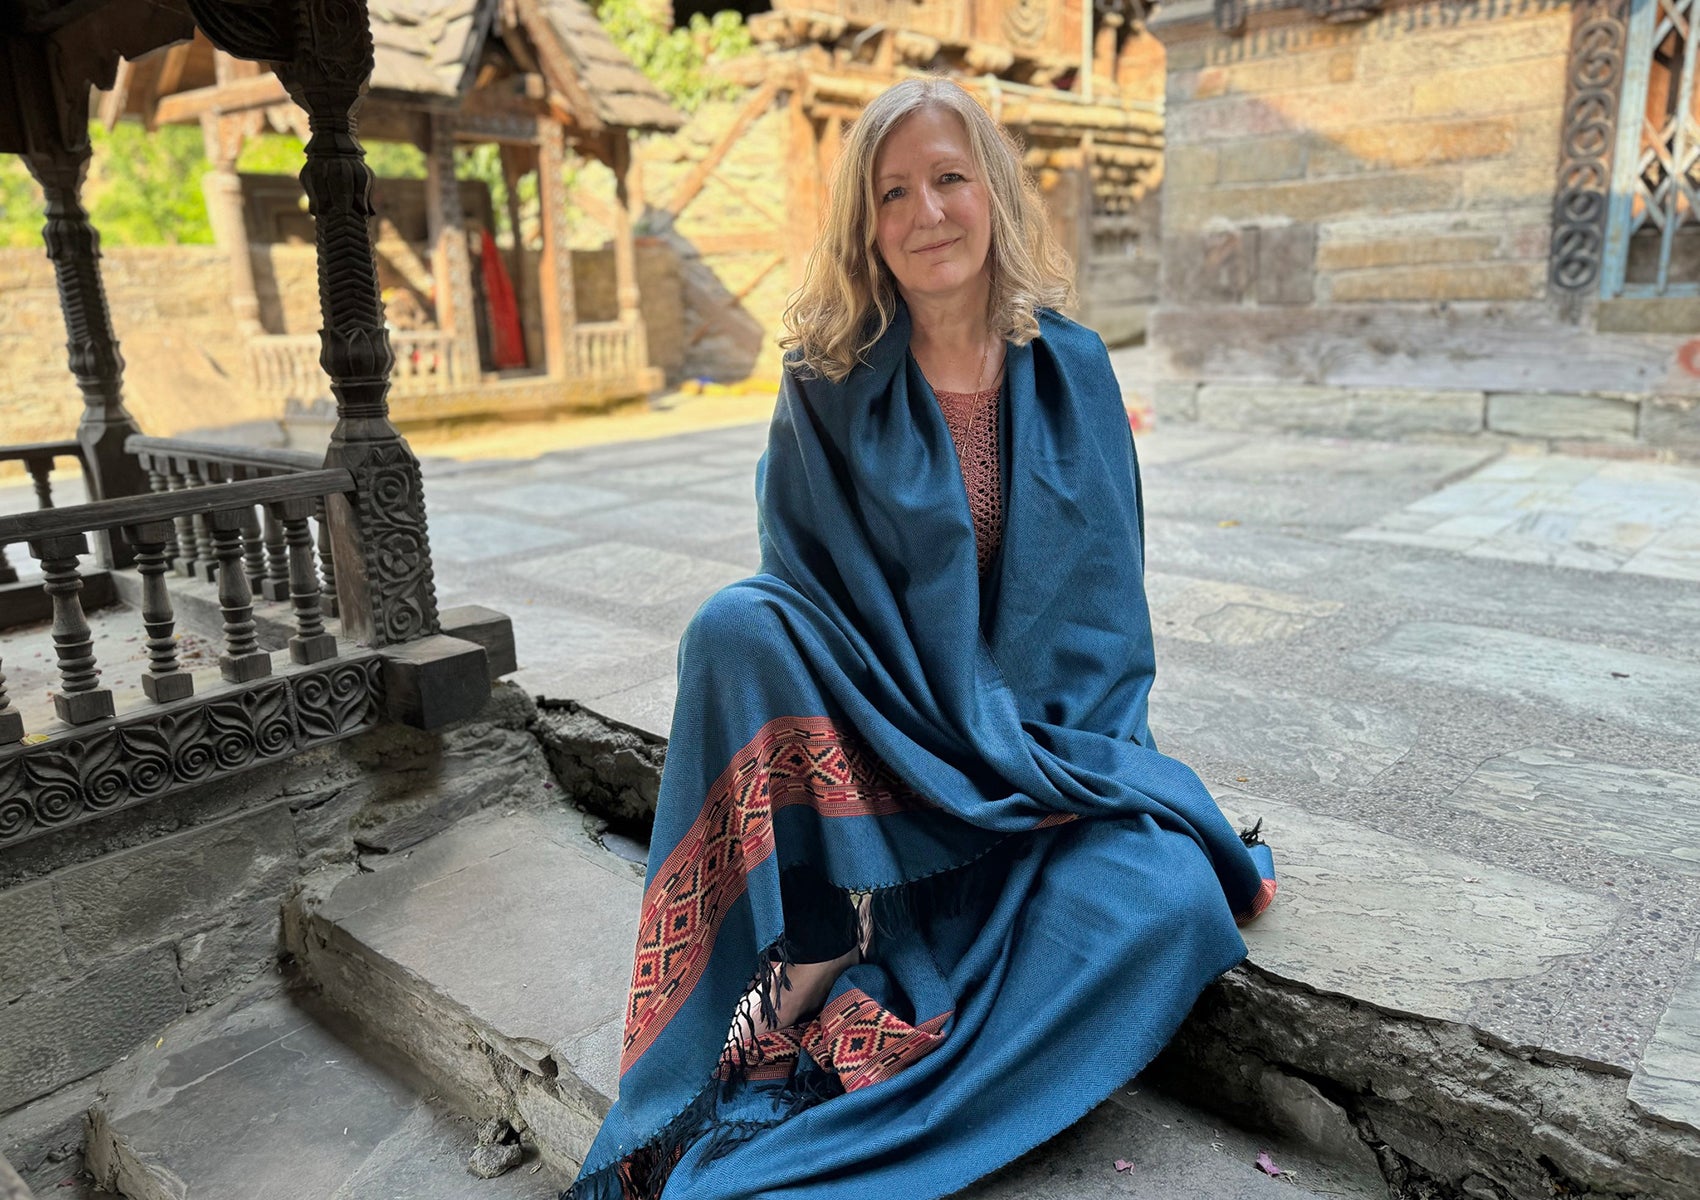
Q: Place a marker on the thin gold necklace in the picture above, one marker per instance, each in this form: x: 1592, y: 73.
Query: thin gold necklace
x: 979, y: 374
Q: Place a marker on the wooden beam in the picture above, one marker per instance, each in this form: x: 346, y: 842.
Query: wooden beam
x: 766, y: 240
x: 257, y: 91
x: 737, y: 297
x: 557, y: 67
x: 692, y: 183
x: 596, y: 208
x: 171, y: 70
x: 114, y: 102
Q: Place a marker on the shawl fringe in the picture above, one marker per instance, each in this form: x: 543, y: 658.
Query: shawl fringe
x: 1253, y: 836
x: 898, y: 909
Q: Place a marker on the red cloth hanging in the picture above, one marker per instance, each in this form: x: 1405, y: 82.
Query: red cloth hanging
x: 507, y: 340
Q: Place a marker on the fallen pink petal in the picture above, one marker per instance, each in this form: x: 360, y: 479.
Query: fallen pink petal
x: 1267, y: 1165
x: 1124, y: 1167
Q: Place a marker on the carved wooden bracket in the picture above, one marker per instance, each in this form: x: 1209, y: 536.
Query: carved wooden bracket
x: 1599, y: 29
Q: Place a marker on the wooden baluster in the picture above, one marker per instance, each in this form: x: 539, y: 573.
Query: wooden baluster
x: 275, y: 586
x: 311, y: 643
x: 327, y: 565
x: 11, y: 720
x: 41, y: 474
x: 80, y: 699
x: 158, y: 482
x: 165, y: 679
x: 8, y: 573
x: 253, y: 550
x: 176, y: 481
x: 242, y: 659
x: 204, y: 565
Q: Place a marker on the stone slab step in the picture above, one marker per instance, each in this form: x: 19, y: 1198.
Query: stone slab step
x: 267, y: 1097
x: 495, y: 957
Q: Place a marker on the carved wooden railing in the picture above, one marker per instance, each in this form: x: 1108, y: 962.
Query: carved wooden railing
x: 99, y: 755
x: 38, y: 459
x: 601, y: 350
x: 177, y: 464
x: 286, y: 366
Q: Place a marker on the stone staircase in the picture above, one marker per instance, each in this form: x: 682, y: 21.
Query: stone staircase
x: 479, y: 976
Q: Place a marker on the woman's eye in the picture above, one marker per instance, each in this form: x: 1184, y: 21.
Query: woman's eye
x: 952, y: 175
x: 893, y: 194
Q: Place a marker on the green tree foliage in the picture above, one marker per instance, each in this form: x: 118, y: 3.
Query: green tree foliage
x: 144, y: 188
x: 679, y: 61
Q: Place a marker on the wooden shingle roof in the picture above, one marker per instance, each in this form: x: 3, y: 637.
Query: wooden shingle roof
x: 620, y: 93
x: 426, y: 47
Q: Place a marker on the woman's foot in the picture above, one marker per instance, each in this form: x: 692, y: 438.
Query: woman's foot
x: 808, y: 985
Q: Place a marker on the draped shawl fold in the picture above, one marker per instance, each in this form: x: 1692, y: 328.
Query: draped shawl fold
x: 1052, y: 893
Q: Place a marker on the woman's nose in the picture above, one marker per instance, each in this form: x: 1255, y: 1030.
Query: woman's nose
x: 929, y: 211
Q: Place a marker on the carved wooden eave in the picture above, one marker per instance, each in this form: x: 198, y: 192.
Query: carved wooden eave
x: 588, y: 72
x: 1045, y: 112
x: 1279, y: 23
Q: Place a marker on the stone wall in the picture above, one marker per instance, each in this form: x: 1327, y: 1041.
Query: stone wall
x: 1356, y: 231
x: 111, y: 929
x: 184, y: 363
x: 732, y: 295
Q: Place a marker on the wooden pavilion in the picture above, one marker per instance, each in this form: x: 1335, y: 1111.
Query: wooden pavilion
x: 536, y: 78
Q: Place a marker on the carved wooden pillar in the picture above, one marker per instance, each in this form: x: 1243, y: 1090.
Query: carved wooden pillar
x: 555, y: 268
x: 74, y: 247
x: 627, y: 291
x: 223, y: 136
x: 451, y: 264
x: 383, y: 555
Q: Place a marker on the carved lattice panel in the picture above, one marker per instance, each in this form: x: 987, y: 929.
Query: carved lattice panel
x: 1598, y: 31
x: 1655, y: 229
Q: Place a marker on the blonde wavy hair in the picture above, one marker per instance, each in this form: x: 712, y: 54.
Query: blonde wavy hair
x: 849, y: 295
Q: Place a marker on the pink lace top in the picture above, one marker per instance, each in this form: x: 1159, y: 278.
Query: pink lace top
x: 973, y: 421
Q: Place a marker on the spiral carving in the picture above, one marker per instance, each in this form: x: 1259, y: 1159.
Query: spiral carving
x: 149, y: 753
x: 1598, y: 32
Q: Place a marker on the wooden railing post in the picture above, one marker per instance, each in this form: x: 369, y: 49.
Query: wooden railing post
x: 165, y: 679
x: 80, y: 699
x: 378, y: 536
x: 159, y: 482
x: 8, y: 573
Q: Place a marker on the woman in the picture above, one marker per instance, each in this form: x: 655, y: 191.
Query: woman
x: 929, y: 706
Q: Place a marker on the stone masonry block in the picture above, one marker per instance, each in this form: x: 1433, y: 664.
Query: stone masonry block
x: 1679, y: 315
x: 1490, y: 90
x: 1261, y: 160
x: 1358, y: 412
x: 1413, y: 250
x: 1671, y: 421
x: 32, y: 951
x: 1409, y: 144
x: 1562, y: 416
x: 52, y: 1036
x: 168, y: 888
x: 1490, y: 45
x: 1315, y: 200
x: 1285, y: 72
x: 1286, y: 264
x: 1210, y: 268
x: 1176, y: 399
x: 1189, y: 167
x: 1501, y: 281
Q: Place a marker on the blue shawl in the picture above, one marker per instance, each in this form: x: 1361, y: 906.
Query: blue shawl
x: 1051, y: 892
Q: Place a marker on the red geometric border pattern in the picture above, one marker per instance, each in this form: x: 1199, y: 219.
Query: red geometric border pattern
x: 864, y: 1043
x: 791, y: 760
x: 1264, y: 898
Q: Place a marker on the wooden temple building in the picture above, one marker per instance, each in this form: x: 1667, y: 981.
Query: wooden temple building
x: 1082, y: 95
x: 540, y: 79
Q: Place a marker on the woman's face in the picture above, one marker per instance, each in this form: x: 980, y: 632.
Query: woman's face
x: 932, y: 212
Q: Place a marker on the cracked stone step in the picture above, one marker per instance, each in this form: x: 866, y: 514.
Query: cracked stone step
x: 495, y: 958
x: 267, y: 1096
